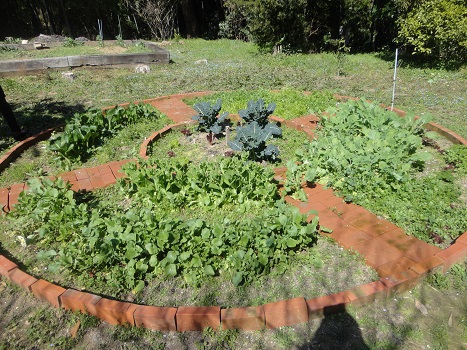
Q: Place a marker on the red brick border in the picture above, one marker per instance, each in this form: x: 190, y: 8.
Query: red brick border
x: 406, y: 260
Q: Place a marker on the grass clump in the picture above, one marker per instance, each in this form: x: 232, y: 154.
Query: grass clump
x: 290, y: 103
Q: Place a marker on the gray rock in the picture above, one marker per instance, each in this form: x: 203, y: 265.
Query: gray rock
x: 142, y: 68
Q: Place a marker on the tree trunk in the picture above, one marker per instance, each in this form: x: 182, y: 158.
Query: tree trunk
x: 190, y: 18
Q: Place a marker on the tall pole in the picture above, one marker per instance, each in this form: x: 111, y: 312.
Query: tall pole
x: 394, y: 81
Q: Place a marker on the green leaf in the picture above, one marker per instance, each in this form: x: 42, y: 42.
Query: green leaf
x: 237, y: 279
x: 209, y: 271
x: 139, y: 287
x: 171, y: 270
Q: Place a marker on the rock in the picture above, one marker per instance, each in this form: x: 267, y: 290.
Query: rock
x: 69, y: 75
x: 201, y: 62
x: 142, y: 68
x: 81, y: 39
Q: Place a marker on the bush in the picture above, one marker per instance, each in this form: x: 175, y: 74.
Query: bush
x: 436, y: 30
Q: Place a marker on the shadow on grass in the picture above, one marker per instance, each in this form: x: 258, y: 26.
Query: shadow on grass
x: 37, y: 117
x: 336, y: 331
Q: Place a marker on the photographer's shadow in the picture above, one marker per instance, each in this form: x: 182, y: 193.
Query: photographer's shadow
x: 337, y: 331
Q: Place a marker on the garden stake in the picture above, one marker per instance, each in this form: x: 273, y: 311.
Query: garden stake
x: 394, y: 81
x: 227, y: 134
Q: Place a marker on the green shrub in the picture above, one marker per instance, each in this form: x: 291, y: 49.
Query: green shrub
x: 437, y: 30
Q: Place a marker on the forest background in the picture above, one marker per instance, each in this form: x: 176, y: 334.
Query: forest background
x: 428, y: 32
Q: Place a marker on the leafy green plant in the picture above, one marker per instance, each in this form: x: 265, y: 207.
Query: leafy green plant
x: 457, y: 156
x: 70, y: 42
x: 257, y: 112
x: 252, y: 138
x: 361, y: 151
x: 149, y: 239
x: 120, y: 40
x: 208, y: 118
x: 88, y: 130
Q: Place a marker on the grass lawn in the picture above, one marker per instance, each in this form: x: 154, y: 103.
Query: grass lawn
x: 431, y: 316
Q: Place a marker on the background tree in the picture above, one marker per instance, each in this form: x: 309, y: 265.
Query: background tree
x: 436, y: 30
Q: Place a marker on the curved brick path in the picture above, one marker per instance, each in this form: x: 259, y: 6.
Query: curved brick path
x: 400, y: 260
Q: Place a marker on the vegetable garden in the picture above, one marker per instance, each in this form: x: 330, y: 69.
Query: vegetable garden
x: 194, y: 221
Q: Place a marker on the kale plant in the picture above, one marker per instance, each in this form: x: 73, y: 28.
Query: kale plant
x: 208, y: 119
x: 252, y: 138
x: 256, y: 111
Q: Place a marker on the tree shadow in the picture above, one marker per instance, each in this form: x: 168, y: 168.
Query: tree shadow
x: 336, y: 331
x: 37, y: 116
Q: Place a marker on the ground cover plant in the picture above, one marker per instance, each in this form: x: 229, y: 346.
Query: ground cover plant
x: 290, y: 103
x: 231, y: 65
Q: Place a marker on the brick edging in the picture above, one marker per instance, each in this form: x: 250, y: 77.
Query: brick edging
x: 196, y: 318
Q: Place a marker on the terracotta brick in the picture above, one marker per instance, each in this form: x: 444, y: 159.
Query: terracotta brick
x: 48, y: 292
x: 245, y: 318
x: 196, y: 318
x: 342, y: 208
x: 419, y: 250
x: 385, y: 256
x: 322, y: 195
x: 406, y: 280
x: 286, y: 313
x: 104, y: 169
x: 349, y: 236
x: 375, y: 247
x: 81, y: 174
x: 93, y: 171
x: 79, y: 301
x: 374, y: 226
x: 367, y: 293
x: 130, y: 314
x: 306, y: 207
x: 398, y: 239
x: 395, y: 267
x: 332, y: 201
x: 6, y: 266
x: 85, y: 185
x: 16, y: 189
x: 116, y: 170
x: 428, y: 266
x: 155, y: 317
x: 462, y: 239
x: 75, y: 186
x: 21, y: 279
x: 112, y: 311
x: 12, y: 200
x: 4, y: 197
x: 327, y: 305
x: 355, y: 214
x: 331, y: 220
x: 313, y: 189
x: 69, y: 176
x: 96, y: 182
x: 454, y: 254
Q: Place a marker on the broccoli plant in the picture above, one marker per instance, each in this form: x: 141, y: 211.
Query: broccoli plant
x: 252, y: 138
x: 256, y: 111
x: 207, y: 118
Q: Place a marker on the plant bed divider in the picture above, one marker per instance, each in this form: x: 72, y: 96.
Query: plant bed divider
x: 14, y: 67
x: 396, y: 276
